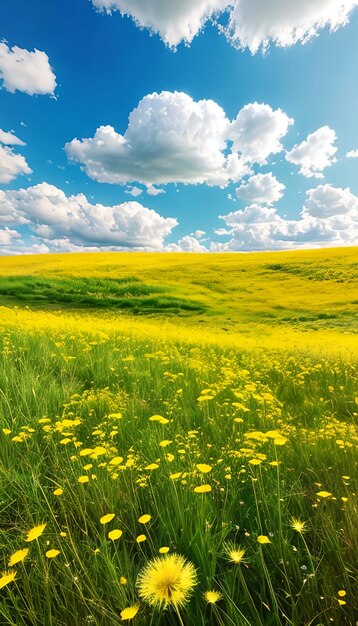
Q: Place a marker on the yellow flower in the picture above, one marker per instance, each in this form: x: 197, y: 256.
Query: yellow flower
x: 35, y: 532
x: 107, y: 518
x: 255, y: 461
x: 164, y: 550
x: 141, y: 538
x: 7, y: 578
x: 203, y: 489
x: 83, y: 479
x: 115, y: 534
x: 18, y: 556
x: 123, y: 580
x: 165, y: 443
x: 342, y: 593
x: 58, y: 492
x: 236, y: 555
x: 263, y: 539
x: 175, y: 476
x: 51, y: 554
x: 212, y: 596
x: 341, y: 602
x: 129, y: 612
x: 204, y: 468
x: 144, y: 519
x: 167, y: 580
x: 298, y: 525
x: 324, y: 494
x: 151, y: 467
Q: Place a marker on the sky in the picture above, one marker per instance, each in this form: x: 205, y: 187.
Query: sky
x: 178, y: 126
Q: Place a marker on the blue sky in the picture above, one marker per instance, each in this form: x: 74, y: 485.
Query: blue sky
x: 105, y: 65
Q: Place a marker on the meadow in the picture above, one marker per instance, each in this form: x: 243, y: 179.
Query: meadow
x: 178, y: 439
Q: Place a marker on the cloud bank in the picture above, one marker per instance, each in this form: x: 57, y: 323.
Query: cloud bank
x: 26, y: 71
x: 252, y: 24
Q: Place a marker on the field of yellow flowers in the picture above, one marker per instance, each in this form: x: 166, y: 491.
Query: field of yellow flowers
x: 178, y: 440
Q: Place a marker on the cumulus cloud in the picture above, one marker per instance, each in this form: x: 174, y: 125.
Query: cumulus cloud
x: 173, y: 20
x: 11, y: 165
x: 154, y: 191
x: 315, y: 153
x: 329, y: 218
x: 9, y: 139
x: 7, y: 236
x: 26, y: 71
x: 257, y: 130
x: 170, y: 138
x: 187, y: 244
x: 54, y: 217
x: 252, y: 24
x: 261, y: 189
x: 352, y: 154
x: 134, y: 191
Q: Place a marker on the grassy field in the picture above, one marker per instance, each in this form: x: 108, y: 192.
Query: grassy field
x: 194, y: 405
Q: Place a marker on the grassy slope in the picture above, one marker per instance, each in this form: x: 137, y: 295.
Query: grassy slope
x: 311, y: 289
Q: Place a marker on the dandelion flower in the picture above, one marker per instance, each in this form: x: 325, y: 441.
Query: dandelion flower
x: 164, y: 550
x: 58, y: 492
x: 342, y: 593
x: 18, y: 556
x: 7, y: 578
x: 115, y: 534
x: 298, y: 525
x: 141, y: 538
x: 144, y: 519
x: 203, y: 489
x: 167, y: 580
x: 324, y: 494
x: 204, y: 468
x: 107, y: 518
x: 35, y: 532
x: 122, y: 580
x: 236, y: 555
x: 263, y: 539
x: 129, y: 612
x: 83, y: 479
x: 212, y: 596
x: 51, y: 554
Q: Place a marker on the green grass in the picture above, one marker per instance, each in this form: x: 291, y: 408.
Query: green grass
x: 127, y: 293
x: 83, y: 378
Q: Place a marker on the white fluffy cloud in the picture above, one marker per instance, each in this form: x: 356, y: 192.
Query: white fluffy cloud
x: 9, y: 139
x: 257, y: 131
x: 315, y: 153
x: 252, y: 24
x: 54, y: 218
x: 174, y: 20
x: 329, y: 218
x: 173, y: 139
x: 26, y: 71
x: 11, y: 165
x: 352, y: 154
x: 187, y: 244
x: 7, y: 236
x: 261, y: 189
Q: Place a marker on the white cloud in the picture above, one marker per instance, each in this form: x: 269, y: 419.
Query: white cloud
x: 134, y: 191
x: 187, y: 244
x: 174, y: 20
x: 198, y: 234
x: 327, y: 201
x: 173, y: 139
x: 261, y: 189
x: 26, y: 71
x: 353, y: 154
x: 253, y: 24
x: 257, y: 131
x: 315, y: 153
x: 11, y: 165
x: 9, y: 139
x: 54, y: 217
x: 7, y: 236
x: 329, y: 218
x: 154, y: 191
